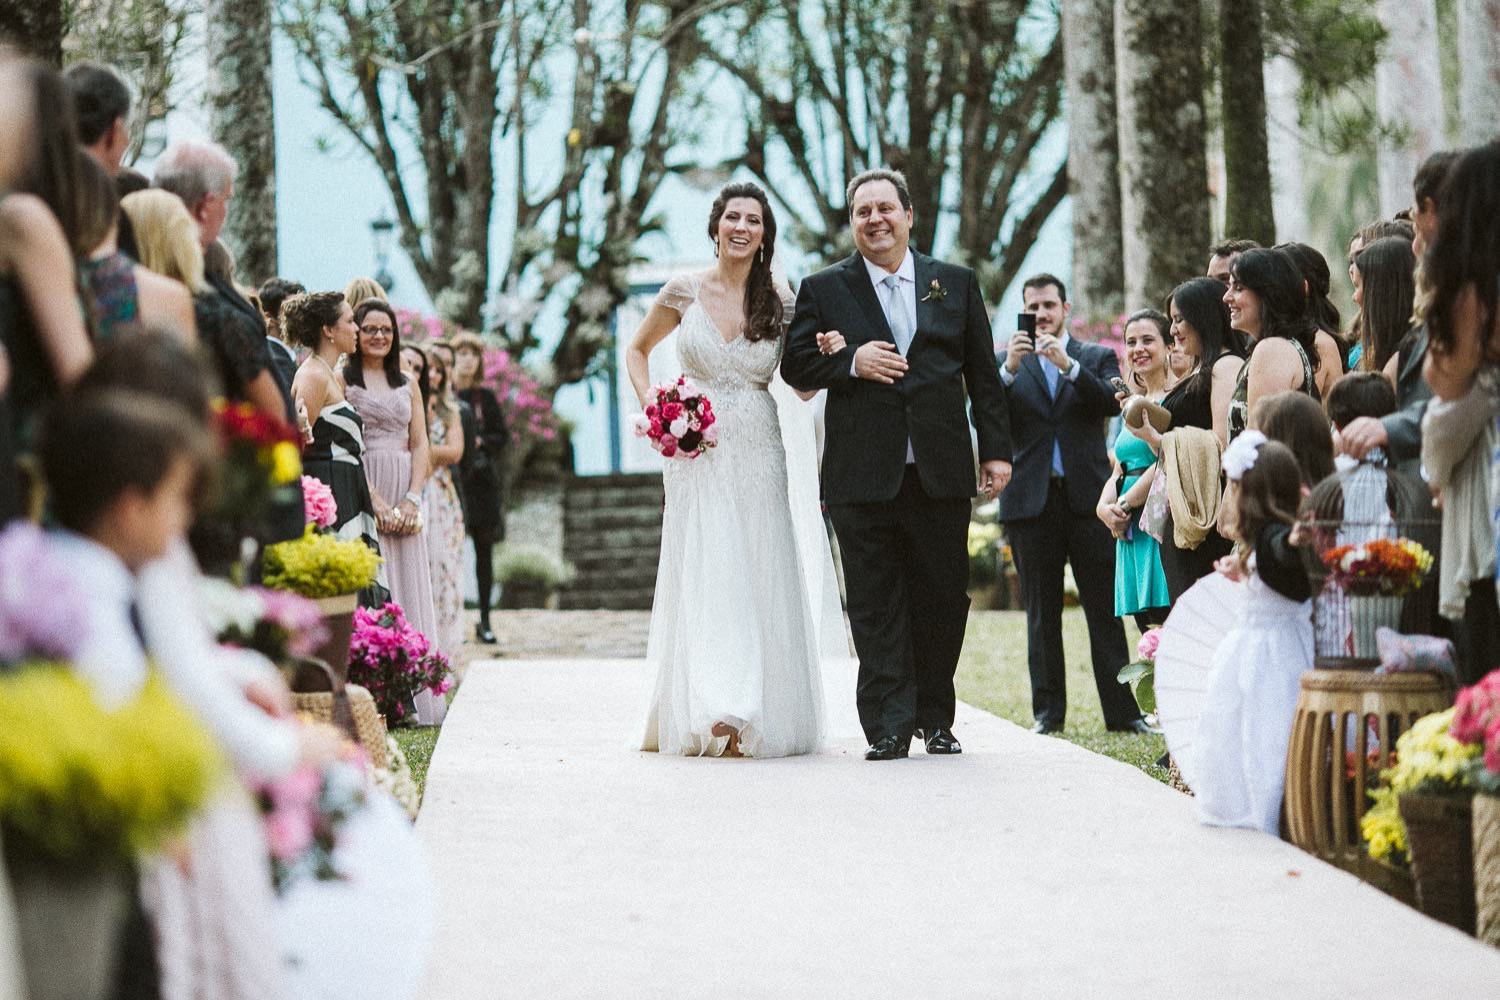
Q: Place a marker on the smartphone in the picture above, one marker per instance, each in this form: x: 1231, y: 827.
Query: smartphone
x: 1026, y: 323
x: 1119, y: 385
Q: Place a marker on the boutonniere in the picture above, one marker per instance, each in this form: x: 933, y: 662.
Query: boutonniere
x: 935, y: 292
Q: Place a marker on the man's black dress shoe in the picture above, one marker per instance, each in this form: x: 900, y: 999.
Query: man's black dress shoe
x: 1138, y: 726
x: 1044, y: 728
x: 888, y: 748
x: 940, y: 740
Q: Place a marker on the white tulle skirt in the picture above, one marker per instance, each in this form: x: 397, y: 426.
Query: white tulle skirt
x: 1240, y: 750
x: 733, y: 636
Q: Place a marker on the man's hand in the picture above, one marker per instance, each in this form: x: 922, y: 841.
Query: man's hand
x: 1015, y: 352
x: 1051, y: 348
x: 994, y: 476
x: 1362, y: 434
x: 879, y: 361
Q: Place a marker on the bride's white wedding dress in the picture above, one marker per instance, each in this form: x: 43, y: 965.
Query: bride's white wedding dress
x: 734, y: 637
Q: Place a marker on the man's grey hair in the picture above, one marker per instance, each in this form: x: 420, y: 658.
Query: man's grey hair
x: 193, y: 169
x: 896, y: 177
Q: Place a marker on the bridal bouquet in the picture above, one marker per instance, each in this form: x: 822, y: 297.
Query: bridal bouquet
x: 680, y: 423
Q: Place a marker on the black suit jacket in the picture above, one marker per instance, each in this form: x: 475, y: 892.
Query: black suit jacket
x: 243, y: 309
x: 283, y: 365
x: 867, y: 424
x: 1075, y: 420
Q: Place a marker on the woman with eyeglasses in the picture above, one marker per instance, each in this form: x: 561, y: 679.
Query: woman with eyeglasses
x: 397, y: 464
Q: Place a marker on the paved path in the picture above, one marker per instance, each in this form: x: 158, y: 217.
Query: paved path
x: 573, y: 866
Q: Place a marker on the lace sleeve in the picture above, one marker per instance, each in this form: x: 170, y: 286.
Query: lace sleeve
x: 678, y: 293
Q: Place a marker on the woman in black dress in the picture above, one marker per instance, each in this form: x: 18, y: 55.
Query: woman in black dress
x: 482, y: 470
x: 324, y: 323
x: 1201, y: 330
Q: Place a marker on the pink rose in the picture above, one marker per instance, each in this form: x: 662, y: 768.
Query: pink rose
x: 1146, y: 648
x: 710, y: 434
x: 671, y: 411
x: 706, y: 419
x: 668, y: 445
x: 318, y: 505
x: 651, y: 410
x: 656, y: 428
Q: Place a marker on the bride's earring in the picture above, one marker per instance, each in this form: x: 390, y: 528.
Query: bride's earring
x: 762, y: 253
x: 716, y: 249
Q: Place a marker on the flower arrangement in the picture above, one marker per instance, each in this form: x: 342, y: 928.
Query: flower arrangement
x: 1390, y: 567
x: 260, y: 453
x: 83, y: 786
x: 680, y: 423
x: 303, y: 814
x: 42, y: 615
x: 278, y: 624
x: 394, y: 661
x: 1141, y: 672
x: 1428, y: 759
x: 318, y: 504
x: 317, y: 565
x: 1476, y: 724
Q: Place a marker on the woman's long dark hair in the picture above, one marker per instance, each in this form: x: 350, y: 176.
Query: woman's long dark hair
x: 53, y: 173
x: 1200, y: 303
x: 1314, y: 268
x: 354, y: 371
x: 763, y: 305
x: 1276, y: 280
x: 1466, y: 251
x: 423, y: 388
x: 1387, y: 270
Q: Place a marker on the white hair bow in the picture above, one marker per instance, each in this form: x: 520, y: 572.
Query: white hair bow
x: 1241, y: 453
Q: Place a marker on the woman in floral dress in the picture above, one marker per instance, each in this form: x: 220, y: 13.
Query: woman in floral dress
x: 445, y: 519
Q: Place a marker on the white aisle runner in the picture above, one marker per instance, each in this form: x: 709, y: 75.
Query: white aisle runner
x: 569, y: 865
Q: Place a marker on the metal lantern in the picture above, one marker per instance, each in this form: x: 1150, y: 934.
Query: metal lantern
x: 1371, y: 554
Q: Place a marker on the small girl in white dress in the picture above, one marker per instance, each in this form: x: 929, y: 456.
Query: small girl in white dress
x: 1247, y: 720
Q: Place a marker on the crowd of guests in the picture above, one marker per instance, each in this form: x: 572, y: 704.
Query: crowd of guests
x: 408, y: 436
x: 1239, y: 396
x: 122, y: 321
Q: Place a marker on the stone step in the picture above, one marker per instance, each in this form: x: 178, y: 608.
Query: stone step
x: 588, y: 500
x: 626, y: 561
x: 588, y: 519
x: 611, y: 539
x: 633, y: 599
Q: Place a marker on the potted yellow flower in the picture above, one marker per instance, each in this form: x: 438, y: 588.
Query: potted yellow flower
x: 331, y: 572
x: 1421, y: 818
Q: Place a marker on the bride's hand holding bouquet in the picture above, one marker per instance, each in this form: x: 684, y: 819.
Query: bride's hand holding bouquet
x: 678, y: 421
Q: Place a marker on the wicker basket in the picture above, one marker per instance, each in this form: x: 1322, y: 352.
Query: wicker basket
x: 1439, y: 831
x: 369, y: 726
x: 1487, y: 868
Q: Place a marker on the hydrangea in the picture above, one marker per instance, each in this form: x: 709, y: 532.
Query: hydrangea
x: 42, y: 615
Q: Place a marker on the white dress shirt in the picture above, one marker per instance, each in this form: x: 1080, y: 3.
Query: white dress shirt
x: 1071, y: 374
x: 903, y: 296
x: 109, y: 656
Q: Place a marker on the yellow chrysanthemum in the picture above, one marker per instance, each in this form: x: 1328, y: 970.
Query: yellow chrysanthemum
x: 319, y: 565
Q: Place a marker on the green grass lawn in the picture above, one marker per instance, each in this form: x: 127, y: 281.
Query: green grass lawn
x: 417, y: 743
x: 992, y: 676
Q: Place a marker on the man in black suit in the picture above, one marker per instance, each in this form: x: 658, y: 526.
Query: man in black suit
x: 898, y: 464
x: 1060, y: 398
x: 272, y: 293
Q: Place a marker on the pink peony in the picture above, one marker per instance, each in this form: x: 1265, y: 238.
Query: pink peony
x: 668, y: 445
x: 640, y: 423
x: 1476, y: 710
x: 318, y: 505
x: 710, y: 434
x: 679, y: 427
x: 657, y: 429
x: 652, y: 409
x: 1146, y: 648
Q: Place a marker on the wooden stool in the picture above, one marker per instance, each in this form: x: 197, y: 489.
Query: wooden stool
x: 1331, y: 762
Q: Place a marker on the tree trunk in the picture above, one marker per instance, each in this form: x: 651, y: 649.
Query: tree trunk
x: 1093, y: 156
x: 1409, y: 96
x: 1242, y: 90
x: 1288, y: 155
x: 238, y: 38
x: 1163, y: 171
x: 1479, y: 71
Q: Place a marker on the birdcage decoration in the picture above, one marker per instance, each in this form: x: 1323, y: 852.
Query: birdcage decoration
x: 1371, y: 548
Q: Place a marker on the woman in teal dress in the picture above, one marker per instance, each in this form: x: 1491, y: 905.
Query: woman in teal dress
x: 1140, y: 584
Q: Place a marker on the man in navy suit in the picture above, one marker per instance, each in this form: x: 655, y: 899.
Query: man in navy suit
x: 1060, y: 398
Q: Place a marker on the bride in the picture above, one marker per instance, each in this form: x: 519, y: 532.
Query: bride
x: 734, y: 640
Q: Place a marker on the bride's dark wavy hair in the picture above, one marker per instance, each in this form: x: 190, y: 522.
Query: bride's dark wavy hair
x: 763, y: 306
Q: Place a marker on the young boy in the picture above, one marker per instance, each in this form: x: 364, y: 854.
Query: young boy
x: 121, y: 470
x: 1358, y: 394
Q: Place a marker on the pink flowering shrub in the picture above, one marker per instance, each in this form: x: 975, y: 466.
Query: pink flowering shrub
x: 394, y: 661
x: 318, y: 506
x: 1107, y: 332
x: 1476, y: 720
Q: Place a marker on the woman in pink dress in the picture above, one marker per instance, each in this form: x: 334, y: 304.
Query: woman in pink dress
x: 396, y: 465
